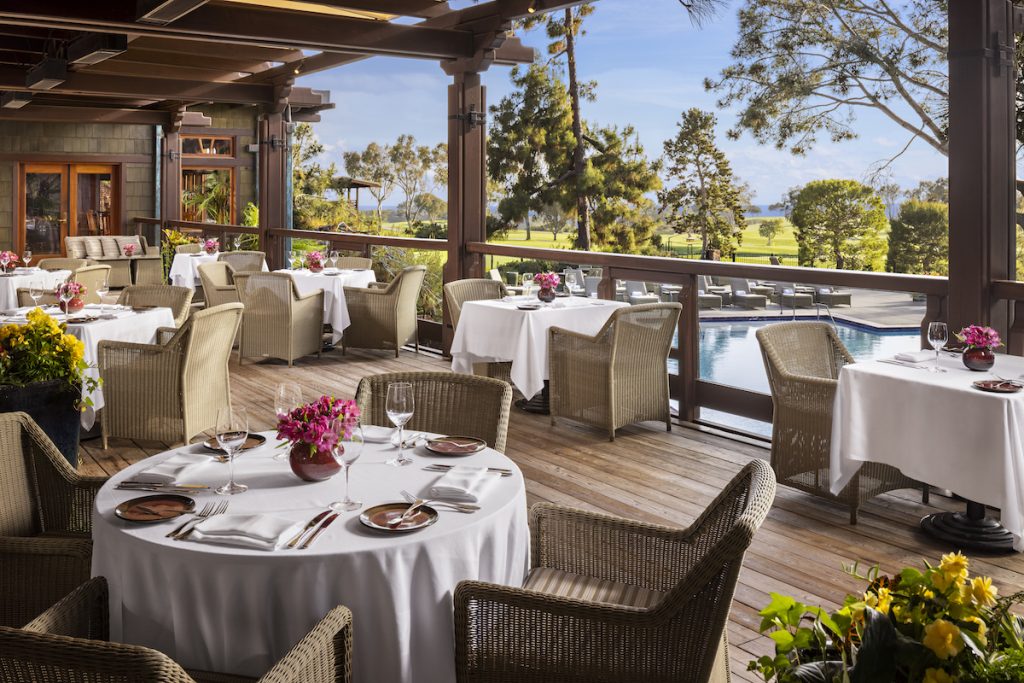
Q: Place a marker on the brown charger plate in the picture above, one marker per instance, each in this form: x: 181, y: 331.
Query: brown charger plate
x: 378, y: 516
x: 253, y: 441
x: 455, y: 445
x: 156, y: 508
x: 84, y: 319
x: 996, y: 386
x: 528, y: 307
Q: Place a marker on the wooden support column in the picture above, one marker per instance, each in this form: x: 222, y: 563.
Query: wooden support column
x: 981, y: 160
x: 170, y: 175
x: 272, y: 165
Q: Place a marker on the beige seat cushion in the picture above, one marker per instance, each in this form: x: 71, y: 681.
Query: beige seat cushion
x: 577, y: 587
x: 110, y: 248
x: 93, y: 247
x: 76, y: 247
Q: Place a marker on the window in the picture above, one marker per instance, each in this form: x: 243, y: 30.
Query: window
x: 208, y: 195
x: 207, y: 146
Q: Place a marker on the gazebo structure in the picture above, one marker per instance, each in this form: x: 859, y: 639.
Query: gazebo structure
x: 351, y: 187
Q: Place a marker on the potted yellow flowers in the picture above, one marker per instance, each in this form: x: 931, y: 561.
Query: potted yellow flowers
x: 42, y: 373
x: 936, y: 625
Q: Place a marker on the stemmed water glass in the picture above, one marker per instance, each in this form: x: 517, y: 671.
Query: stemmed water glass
x: 938, y: 335
x: 399, y: 407
x: 287, y: 398
x: 333, y: 258
x: 102, y: 289
x: 26, y: 257
x: 65, y: 296
x: 232, y: 431
x: 292, y: 257
x: 35, y: 290
x: 347, y: 451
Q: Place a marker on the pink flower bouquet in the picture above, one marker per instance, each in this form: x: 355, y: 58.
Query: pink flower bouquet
x: 74, y: 289
x: 11, y: 258
x: 314, y: 423
x: 547, y: 280
x: 211, y: 246
x: 315, y: 260
x: 129, y: 250
x: 979, y: 337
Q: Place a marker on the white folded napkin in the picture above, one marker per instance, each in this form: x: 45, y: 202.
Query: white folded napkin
x: 915, y: 356
x: 259, y: 532
x: 375, y: 434
x: 168, y: 471
x: 464, y: 484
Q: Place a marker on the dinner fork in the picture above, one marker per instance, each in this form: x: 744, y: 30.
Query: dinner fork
x: 188, y: 527
x: 458, y: 507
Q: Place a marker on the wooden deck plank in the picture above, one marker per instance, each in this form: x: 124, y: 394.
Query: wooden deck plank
x: 649, y: 474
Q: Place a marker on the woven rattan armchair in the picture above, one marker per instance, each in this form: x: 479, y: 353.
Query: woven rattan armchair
x: 446, y: 403
x: 148, y: 266
x: 218, y: 284
x: 71, y: 264
x: 803, y: 360
x: 45, y: 521
x: 69, y: 643
x: 354, y: 263
x: 618, y: 376
x: 190, y: 248
x: 456, y: 294
x: 278, y: 321
x: 169, y: 392
x: 244, y: 261
x: 178, y: 299
x: 609, y: 600
x: 25, y: 298
x: 384, y: 317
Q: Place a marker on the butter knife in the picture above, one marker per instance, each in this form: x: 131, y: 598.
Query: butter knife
x: 312, y: 523
x: 312, y: 537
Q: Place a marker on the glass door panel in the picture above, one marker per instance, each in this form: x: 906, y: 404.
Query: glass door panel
x: 45, y: 209
x: 93, y: 200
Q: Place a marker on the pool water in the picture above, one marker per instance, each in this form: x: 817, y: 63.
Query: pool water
x: 730, y: 354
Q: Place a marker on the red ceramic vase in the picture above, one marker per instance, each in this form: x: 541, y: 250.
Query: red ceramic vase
x: 546, y: 294
x: 319, y: 466
x: 979, y: 359
x: 315, y: 267
x: 211, y: 252
x: 73, y: 306
x: 10, y: 267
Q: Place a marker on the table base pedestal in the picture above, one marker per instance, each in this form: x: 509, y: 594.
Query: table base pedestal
x: 539, y: 403
x: 970, y: 530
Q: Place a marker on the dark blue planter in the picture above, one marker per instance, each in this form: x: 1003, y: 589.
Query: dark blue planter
x: 54, y: 407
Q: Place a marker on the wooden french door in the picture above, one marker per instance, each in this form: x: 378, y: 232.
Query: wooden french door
x: 59, y: 200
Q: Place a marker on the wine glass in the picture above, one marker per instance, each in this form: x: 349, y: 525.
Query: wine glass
x: 938, y: 335
x: 232, y: 431
x: 347, y: 451
x: 26, y: 257
x: 102, y: 289
x: 399, y: 407
x: 5, y: 260
x: 333, y: 258
x: 292, y: 256
x: 287, y: 398
x: 35, y: 290
x: 65, y: 296
x: 237, y: 241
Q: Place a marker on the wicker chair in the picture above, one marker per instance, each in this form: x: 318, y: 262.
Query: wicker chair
x: 803, y: 360
x: 619, y: 376
x: 25, y: 298
x: 354, y: 263
x: 446, y: 403
x: 148, y: 266
x: 456, y: 294
x: 69, y: 643
x: 244, y: 261
x: 218, y: 284
x: 613, y: 600
x: 92, y: 277
x: 278, y: 321
x: 384, y: 317
x: 71, y: 264
x: 178, y: 299
x: 169, y: 392
x: 45, y: 521
x: 190, y: 248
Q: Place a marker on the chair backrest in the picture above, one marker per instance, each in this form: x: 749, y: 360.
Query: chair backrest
x: 178, y: 299
x: 216, y: 274
x: 493, y: 274
x: 459, y: 292
x: 205, y: 340
x: 806, y: 349
x: 354, y: 263
x: 408, y: 284
x: 591, y: 283
x: 642, y: 332
x: 738, y: 285
x: 92, y: 277
x: 635, y: 287
x: 244, y: 260
x: 25, y: 297
x: 445, y: 403
x: 190, y: 248
x: 265, y: 294
x: 71, y: 264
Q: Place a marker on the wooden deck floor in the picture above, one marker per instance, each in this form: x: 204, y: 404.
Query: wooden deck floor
x: 651, y: 475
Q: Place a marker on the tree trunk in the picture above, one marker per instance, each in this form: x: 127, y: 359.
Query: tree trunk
x: 578, y: 159
x: 528, y: 226
x: 380, y: 216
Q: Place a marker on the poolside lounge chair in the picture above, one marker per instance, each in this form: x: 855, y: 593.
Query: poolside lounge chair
x: 789, y: 297
x: 708, y: 285
x: 830, y: 296
x: 744, y: 299
x: 705, y: 301
x: 636, y: 293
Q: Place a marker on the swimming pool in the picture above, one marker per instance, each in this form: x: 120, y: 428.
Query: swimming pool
x: 729, y: 354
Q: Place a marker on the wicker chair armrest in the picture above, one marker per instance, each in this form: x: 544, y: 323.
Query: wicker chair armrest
x: 540, y: 604
x: 805, y: 392
x: 38, y: 571
x: 315, y: 294
x: 165, y: 334
x: 324, y: 655
x: 112, y: 346
x: 378, y: 285
x: 360, y: 292
x: 82, y: 613
x: 562, y: 333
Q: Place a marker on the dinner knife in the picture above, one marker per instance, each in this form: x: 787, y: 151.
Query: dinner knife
x: 312, y: 537
x: 312, y: 523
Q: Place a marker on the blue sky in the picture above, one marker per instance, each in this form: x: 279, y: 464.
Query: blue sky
x: 649, y: 63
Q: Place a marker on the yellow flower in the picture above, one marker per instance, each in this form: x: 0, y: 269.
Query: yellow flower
x: 943, y: 638
x: 937, y: 676
x: 983, y: 591
x: 880, y: 600
x: 981, y: 631
x: 954, y: 564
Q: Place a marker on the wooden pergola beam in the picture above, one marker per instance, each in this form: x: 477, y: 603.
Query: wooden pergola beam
x: 182, y: 47
x: 144, y: 58
x: 407, y: 8
x: 64, y: 114
x: 165, y: 11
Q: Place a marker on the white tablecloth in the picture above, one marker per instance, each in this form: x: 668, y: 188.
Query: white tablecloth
x: 937, y: 428
x: 185, y: 268
x: 25, y: 278
x: 335, y: 310
x: 495, y: 331
x: 236, y: 610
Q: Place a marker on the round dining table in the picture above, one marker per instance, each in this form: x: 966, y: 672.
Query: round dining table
x: 238, y: 610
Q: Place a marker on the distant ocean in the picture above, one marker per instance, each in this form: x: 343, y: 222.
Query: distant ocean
x: 765, y: 212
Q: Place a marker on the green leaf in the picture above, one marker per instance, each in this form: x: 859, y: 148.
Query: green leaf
x: 876, y: 659
x: 818, y: 672
x: 783, y: 640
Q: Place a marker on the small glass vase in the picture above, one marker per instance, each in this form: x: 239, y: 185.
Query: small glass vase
x: 979, y: 359
x: 318, y: 466
x: 546, y: 294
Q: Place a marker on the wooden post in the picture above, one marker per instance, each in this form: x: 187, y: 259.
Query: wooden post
x: 272, y: 165
x: 170, y: 175
x: 981, y: 160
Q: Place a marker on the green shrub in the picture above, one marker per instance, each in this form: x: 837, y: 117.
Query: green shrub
x: 389, y: 261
